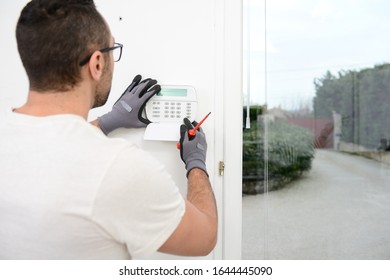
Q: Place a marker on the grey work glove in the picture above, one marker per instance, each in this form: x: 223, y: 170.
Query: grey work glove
x: 193, y: 149
x: 127, y: 110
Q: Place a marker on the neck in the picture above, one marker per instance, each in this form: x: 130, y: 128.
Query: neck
x: 76, y: 101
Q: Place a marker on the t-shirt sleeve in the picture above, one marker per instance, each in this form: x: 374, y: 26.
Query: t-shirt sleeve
x: 138, y: 203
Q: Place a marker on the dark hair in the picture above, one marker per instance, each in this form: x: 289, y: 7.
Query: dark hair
x: 53, y: 36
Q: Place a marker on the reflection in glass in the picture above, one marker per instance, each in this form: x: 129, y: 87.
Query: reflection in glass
x: 316, y: 159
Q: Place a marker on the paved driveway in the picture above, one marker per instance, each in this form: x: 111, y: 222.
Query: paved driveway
x: 340, y: 210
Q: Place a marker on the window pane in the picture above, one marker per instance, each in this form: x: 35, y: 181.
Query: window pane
x: 317, y: 154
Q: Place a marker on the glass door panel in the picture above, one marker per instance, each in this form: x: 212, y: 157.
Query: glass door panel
x: 316, y: 155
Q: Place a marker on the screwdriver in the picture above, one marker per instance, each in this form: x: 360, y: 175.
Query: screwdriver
x: 192, y: 132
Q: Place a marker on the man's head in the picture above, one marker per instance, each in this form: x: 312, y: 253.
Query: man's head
x: 54, y: 36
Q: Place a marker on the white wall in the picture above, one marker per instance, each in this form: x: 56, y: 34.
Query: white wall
x: 13, y: 80
x: 183, y: 42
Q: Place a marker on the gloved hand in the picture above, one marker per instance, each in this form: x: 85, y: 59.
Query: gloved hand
x: 127, y: 110
x: 193, y: 150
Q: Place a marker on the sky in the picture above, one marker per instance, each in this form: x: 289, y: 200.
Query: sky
x: 306, y: 38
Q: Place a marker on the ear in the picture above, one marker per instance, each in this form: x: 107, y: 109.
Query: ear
x: 96, y: 65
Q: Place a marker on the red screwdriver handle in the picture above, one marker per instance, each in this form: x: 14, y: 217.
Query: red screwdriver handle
x: 191, y: 132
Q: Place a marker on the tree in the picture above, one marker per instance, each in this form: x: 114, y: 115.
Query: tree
x: 362, y: 98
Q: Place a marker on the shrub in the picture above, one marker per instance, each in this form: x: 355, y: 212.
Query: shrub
x: 290, y: 152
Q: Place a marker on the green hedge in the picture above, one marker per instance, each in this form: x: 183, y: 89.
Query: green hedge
x: 290, y: 153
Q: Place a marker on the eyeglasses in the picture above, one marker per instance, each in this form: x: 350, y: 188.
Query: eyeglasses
x: 116, y: 50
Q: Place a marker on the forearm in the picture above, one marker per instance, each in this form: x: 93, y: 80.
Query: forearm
x: 201, y: 195
x: 196, y: 235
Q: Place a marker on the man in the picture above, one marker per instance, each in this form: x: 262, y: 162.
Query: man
x: 66, y: 190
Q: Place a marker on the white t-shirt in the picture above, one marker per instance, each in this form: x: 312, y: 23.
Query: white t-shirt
x: 69, y: 192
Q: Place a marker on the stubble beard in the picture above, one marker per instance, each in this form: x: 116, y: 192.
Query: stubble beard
x: 103, y: 88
